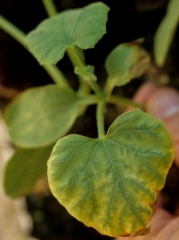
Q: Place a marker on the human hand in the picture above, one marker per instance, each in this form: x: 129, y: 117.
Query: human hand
x: 162, y: 103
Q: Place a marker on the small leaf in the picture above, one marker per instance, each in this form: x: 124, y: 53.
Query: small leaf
x: 111, y: 183
x: 125, y: 62
x: 165, y: 32
x: 39, y: 116
x: 86, y: 72
x: 81, y: 27
x: 23, y: 170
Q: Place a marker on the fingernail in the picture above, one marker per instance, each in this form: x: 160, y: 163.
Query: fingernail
x: 164, y: 103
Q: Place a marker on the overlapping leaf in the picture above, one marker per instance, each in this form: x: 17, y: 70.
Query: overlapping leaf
x: 165, y: 32
x: 39, y: 116
x: 86, y: 72
x: 111, y: 183
x: 125, y: 62
x: 81, y: 27
x: 24, y: 169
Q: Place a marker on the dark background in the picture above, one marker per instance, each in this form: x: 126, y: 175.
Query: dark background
x: 128, y: 20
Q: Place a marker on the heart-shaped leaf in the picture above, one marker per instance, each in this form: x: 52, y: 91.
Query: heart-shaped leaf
x: 39, y: 116
x: 111, y: 183
x: 24, y: 169
x: 125, y: 62
x: 81, y: 27
x: 165, y: 32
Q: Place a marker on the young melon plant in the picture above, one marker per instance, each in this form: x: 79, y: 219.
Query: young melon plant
x: 110, y: 182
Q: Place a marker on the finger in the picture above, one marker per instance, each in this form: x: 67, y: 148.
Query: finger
x: 160, y: 219
x: 164, y: 104
x: 143, y: 94
x: 175, y: 236
x: 169, y: 230
x: 177, y: 210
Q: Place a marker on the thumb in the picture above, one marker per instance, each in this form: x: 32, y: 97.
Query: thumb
x: 164, y: 104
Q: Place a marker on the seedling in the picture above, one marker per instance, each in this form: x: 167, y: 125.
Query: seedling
x: 110, y: 182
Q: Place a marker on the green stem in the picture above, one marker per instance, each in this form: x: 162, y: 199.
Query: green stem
x: 109, y: 86
x: 56, y: 75
x: 115, y: 99
x: 74, y: 57
x: 78, y: 62
x: 50, y: 7
x: 100, y: 117
x: 13, y: 31
x: 19, y: 36
x: 96, y: 88
x: 90, y: 99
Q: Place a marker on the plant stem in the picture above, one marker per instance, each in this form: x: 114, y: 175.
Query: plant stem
x: 19, y: 36
x: 115, y: 99
x: 90, y: 99
x: 74, y: 57
x: 50, y: 7
x: 78, y: 62
x: 100, y: 117
x: 56, y: 75
x: 13, y: 31
x: 96, y: 88
x: 109, y: 86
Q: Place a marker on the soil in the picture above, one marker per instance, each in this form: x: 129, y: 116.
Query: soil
x: 130, y: 20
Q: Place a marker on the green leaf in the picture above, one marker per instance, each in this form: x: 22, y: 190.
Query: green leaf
x: 81, y: 27
x: 125, y: 62
x: 39, y: 116
x: 86, y: 72
x: 23, y: 170
x: 111, y: 183
x: 165, y: 32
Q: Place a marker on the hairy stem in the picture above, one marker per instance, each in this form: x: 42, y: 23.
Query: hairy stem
x: 19, y: 36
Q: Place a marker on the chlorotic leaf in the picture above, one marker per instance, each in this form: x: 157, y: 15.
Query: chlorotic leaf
x: 125, y: 62
x: 86, y: 72
x: 39, y: 116
x: 81, y: 27
x: 111, y: 183
x: 24, y: 169
x: 165, y: 32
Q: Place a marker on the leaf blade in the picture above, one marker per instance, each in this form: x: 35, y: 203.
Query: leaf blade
x: 24, y: 169
x: 36, y: 117
x: 126, y: 61
x: 97, y: 179
x: 81, y: 27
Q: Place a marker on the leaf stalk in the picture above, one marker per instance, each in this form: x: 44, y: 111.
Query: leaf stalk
x: 50, y: 7
x: 119, y: 100
x: 109, y: 86
x: 100, y: 117
x: 78, y: 62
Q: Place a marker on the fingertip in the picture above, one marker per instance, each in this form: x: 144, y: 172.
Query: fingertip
x: 145, y: 92
x: 163, y: 103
